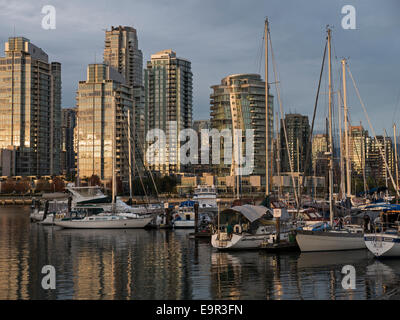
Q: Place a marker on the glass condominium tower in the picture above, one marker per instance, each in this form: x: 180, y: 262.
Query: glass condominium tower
x: 121, y: 51
x: 30, y: 108
x: 168, y: 89
x: 239, y: 103
x: 103, y: 102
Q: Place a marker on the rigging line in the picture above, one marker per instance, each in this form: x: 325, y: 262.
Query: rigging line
x: 260, y: 54
x: 308, y: 147
x: 137, y: 169
x: 373, y: 131
x: 396, y: 107
x: 282, y: 117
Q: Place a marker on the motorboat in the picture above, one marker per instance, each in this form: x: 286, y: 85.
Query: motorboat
x: 248, y: 227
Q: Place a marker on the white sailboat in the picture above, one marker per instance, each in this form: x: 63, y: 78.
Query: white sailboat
x: 110, y: 217
x: 330, y: 239
x: 105, y: 222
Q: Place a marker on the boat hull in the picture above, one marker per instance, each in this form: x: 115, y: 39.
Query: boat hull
x: 310, y: 241
x: 181, y: 224
x: 383, y: 245
x: 239, y: 242
x: 110, y: 224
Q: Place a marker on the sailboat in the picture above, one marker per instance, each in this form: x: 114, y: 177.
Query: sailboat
x: 331, y: 239
x: 110, y: 217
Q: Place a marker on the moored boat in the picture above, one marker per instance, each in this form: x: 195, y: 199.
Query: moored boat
x: 247, y: 227
x: 104, y: 222
x: 385, y: 240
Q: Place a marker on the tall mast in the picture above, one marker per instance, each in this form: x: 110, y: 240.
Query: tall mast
x: 78, y: 179
x: 130, y: 155
x: 330, y: 130
x: 266, y: 31
x: 346, y: 131
x: 114, y: 105
x: 342, y: 174
x: 278, y: 151
x: 395, y: 159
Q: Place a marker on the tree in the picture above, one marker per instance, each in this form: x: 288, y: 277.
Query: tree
x: 22, y: 186
x: 43, y: 185
x: 8, y: 186
x: 58, y: 185
x: 94, y: 180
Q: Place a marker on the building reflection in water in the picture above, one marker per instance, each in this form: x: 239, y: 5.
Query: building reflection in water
x: 164, y: 264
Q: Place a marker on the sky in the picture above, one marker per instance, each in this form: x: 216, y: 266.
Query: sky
x: 222, y: 37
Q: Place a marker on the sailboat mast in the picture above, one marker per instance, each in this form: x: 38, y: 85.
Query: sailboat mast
x: 278, y: 151
x: 342, y: 174
x: 395, y: 159
x: 130, y: 155
x: 266, y: 110
x: 346, y: 130
x: 330, y: 130
x: 113, y: 154
x: 78, y: 179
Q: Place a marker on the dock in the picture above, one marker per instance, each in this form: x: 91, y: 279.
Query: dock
x: 283, y: 246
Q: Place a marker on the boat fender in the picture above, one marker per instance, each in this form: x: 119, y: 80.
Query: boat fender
x: 237, y: 228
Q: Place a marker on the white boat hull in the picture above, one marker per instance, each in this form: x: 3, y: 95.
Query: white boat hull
x: 239, y: 242
x: 184, y: 224
x: 383, y: 245
x: 309, y: 241
x: 107, y: 224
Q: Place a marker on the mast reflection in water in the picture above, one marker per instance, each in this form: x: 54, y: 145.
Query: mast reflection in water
x: 161, y: 264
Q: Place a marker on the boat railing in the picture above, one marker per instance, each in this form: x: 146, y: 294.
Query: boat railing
x: 387, y: 227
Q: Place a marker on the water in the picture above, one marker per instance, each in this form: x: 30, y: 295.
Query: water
x: 141, y: 264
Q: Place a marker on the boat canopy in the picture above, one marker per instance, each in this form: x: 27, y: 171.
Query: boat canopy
x: 252, y: 213
x: 55, y: 195
x: 372, y: 191
x: 188, y: 203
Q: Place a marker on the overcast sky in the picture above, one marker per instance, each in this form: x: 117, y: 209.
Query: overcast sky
x: 222, y: 37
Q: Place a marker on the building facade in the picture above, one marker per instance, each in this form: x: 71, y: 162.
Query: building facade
x: 30, y: 108
x: 68, y: 124
x: 298, y: 134
x: 239, y: 103
x: 320, y: 161
x: 121, y: 51
x: 168, y: 90
x: 103, y: 102
x: 358, y: 150
x: 379, y: 154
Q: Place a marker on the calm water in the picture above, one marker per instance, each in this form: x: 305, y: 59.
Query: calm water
x: 140, y: 264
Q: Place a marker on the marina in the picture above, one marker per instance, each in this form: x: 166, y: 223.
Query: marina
x: 166, y: 264
x: 213, y: 151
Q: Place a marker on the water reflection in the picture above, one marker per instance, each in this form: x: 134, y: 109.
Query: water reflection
x: 141, y: 264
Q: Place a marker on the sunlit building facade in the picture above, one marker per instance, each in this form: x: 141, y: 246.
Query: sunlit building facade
x: 239, y: 103
x: 30, y: 108
x: 103, y: 102
x: 168, y: 90
x: 121, y: 51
